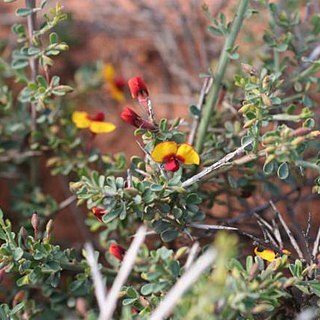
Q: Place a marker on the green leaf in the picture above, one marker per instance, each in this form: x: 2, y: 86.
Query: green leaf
x: 23, y: 12
x: 128, y: 301
x: 53, y: 38
x: 283, y: 171
x: 17, y: 308
x: 215, y: 31
x: 169, y: 235
x: 147, y: 289
x: 17, y: 254
x: 268, y: 168
x: 111, y: 216
x: 156, y: 187
x: 195, y: 110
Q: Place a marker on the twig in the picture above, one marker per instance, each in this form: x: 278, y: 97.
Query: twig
x: 31, y: 20
x: 260, y: 208
x: 129, y: 178
x: 288, y: 231
x: 62, y: 205
x: 192, y: 254
x: 210, y: 227
x: 315, y: 249
x: 188, y: 278
x: 98, y: 281
x: 148, y: 155
x: 14, y: 156
x: 204, y: 90
x: 215, y: 166
x: 110, y: 303
x: 213, y: 95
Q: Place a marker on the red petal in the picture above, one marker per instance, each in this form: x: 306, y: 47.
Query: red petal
x: 117, y: 251
x: 138, y: 88
x: 172, y: 165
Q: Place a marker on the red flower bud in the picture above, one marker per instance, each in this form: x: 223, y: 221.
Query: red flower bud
x: 120, y: 83
x: 98, y: 212
x: 117, y: 251
x: 138, y: 88
x: 131, y: 117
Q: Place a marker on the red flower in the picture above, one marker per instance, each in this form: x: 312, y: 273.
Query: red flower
x: 117, y: 251
x: 138, y: 88
x: 131, y: 117
x: 98, y: 213
x: 119, y: 82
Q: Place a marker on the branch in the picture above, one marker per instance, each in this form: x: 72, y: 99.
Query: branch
x: 31, y: 20
x: 98, y: 281
x: 222, y: 65
x: 288, y: 231
x: 110, y: 303
x: 183, y: 284
x: 215, y: 166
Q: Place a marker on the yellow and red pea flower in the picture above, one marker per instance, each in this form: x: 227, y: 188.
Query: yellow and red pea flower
x: 98, y: 213
x: 138, y: 88
x: 115, y: 84
x: 268, y: 254
x: 95, y: 123
x: 117, y: 251
x: 172, y: 155
x: 130, y: 116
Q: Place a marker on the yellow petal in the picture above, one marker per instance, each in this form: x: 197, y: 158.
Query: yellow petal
x: 163, y: 150
x: 80, y: 119
x: 101, y: 127
x: 267, y: 254
x: 287, y: 252
x: 108, y: 72
x: 188, y: 154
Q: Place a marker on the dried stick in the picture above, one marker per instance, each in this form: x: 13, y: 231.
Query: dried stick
x: 183, y: 284
x: 192, y: 254
x: 148, y: 155
x: 215, y: 166
x: 288, y: 231
x: 210, y: 227
x: 110, y: 302
x: 315, y: 249
x: 98, y: 281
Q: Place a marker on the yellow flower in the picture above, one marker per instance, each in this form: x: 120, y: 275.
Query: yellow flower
x: 266, y: 254
x: 95, y: 124
x: 115, y: 84
x: 269, y: 255
x: 171, y: 155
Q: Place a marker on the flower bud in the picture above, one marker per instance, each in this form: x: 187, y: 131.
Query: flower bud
x: 138, y: 88
x: 98, y: 213
x: 130, y: 116
x: 266, y: 100
x: 248, y: 69
x: 117, y: 251
x: 75, y: 186
x: 300, y: 132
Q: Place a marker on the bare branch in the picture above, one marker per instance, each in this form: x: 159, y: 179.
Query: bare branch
x: 315, y: 249
x: 188, y: 278
x: 215, y: 166
x: 192, y: 254
x: 110, y: 302
x: 288, y: 231
x: 98, y: 281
